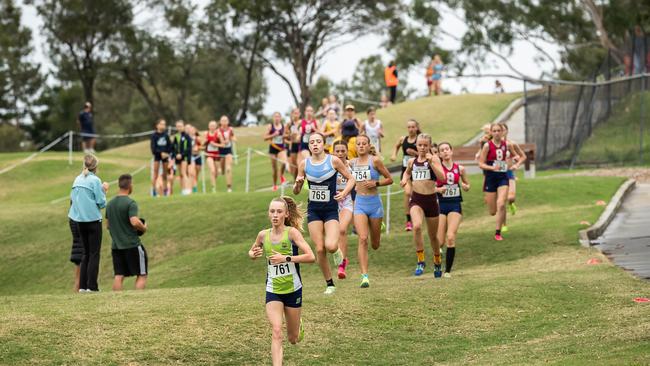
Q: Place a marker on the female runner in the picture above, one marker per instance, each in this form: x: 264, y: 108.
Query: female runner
x: 450, y: 198
x: 280, y: 245
x: 292, y: 129
x: 346, y: 206
x: 323, y: 210
x: 409, y: 150
x: 330, y: 130
x: 227, y: 137
x: 368, y: 208
x: 422, y: 171
x: 308, y: 126
x: 212, y: 145
x: 373, y: 129
x: 277, y: 150
x: 512, y: 182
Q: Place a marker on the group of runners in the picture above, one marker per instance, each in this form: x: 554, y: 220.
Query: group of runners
x: 180, y: 155
x: 343, y: 188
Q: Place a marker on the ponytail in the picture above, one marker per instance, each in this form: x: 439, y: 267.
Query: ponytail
x: 295, y: 214
x: 90, y: 164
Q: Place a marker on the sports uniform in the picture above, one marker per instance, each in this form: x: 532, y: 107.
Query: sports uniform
x: 329, y: 140
x: 212, y: 151
x: 227, y: 134
x: 373, y: 134
x: 160, y: 143
x: 451, y: 198
x: 182, y: 145
x: 196, y: 151
x: 422, y: 171
x: 322, y: 188
x: 295, y: 146
x: 406, y: 157
x: 496, y: 156
x: 283, y: 281
x: 369, y: 205
x: 345, y: 204
x: 277, y: 142
x: 306, y: 129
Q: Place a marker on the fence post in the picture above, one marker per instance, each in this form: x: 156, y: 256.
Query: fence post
x: 203, y: 162
x: 641, y: 119
x: 153, y: 184
x: 388, y: 209
x: 548, y: 117
x: 575, y: 115
x: 234, y: 151
x: 526, y: 137
x: 608, y: 76
x: 70, y: 137
x: 248, y: 168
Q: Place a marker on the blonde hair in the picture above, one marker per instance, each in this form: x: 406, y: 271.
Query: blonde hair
x: 425, y: 136
x: 295, y: 214
x: 90, y: 164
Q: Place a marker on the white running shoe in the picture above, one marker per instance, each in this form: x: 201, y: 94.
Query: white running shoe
x: 447, y: 275
x: 330, y: 290
x: 229, y: 190
x: 338, y: 257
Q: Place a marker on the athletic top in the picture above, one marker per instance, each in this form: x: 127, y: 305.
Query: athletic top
x: 182, y: 144
x: 349, y: 128
x: 294, y: 130
x: 212, y: 150
x: 373, y: 133
x: 422, y: 171
x: 364, y: 172
x: 160, y: 143
x: 496, y: 156
x: 341, y: 181
x: 451, y: 183
x: 277, y: 141
x: 227, y: 134
x: 306, y: 129
x: 196, y: 146
x: 405, y: 146
x: 327, y: 127
x: 322, y: 184
x: 281, y: 278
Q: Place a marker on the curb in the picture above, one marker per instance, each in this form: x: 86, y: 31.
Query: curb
x: 597, y: 229
x: 502, y: 117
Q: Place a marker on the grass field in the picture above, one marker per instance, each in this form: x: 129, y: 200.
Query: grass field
x: 530, y: 299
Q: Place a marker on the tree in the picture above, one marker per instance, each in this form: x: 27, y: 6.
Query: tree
x: 83, y: 36
x: 20, y: 79
x: 301, y: 33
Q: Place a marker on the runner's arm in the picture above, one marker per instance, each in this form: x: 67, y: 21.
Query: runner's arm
x: 399, y: 143
x: 436, y: 165
x: 341, y: 168
x: 381, y: 168
x: 483, y: 158
x: 463, y: 178
x: 256, y: 250
x: 407, y: 173
x: 300, y: 178
x: 308, y: 254
x: 517, y: 150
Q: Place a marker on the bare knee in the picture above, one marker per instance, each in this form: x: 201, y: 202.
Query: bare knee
x: 363, y: 241
x: 451, y: 240
x: 320, y: 251
x: 277, y: 332
x: 417, y: 228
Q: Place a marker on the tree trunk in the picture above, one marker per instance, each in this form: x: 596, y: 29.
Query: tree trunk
x: 603, y: 35
x: 249, y: 80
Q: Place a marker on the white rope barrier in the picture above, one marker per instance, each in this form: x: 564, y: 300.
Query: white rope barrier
x: 32, y: 156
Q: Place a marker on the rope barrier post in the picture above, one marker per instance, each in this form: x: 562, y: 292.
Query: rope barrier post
x: 388, y: 209
x: 203, y: 161
x: 234, y: 151
x: 153, y: 184
x: 70, y: 137
x: 248, y: 168
x: 282, y: 189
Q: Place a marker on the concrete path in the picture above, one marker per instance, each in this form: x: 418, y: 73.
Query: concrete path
x: 516, y: 126
x: 626, y: 241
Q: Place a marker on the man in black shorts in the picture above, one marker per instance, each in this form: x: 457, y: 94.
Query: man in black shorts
x: 87, y: 127
x: 129, y: 255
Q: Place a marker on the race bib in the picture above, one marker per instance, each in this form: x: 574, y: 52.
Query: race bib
x: 281, y: 269
x: 451, y: 190
x: 361, y: 173
x: 211, y: 148
x: 319, y: 193
x: 421, y: 173
x: 278, y: 140
x: 405, y: 161
x: 374, y: 141
x: 502, y: 165
x: 341, y: 182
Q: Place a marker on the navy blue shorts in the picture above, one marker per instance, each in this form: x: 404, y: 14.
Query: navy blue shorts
x: 323, y: 214
x: 223, y: 151
x: 295, y: 147
x: 273, y: 150
x: 158, y: 157
x: 495, y: 180
x: 197, y: 160
x: 447, y: 207
x: 187, y: 158
x: 291, y: 300
x: 304, y: 146
x: 511, y: 175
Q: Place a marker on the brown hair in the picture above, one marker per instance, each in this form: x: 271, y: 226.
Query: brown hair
x: 90, y: 164
x: 445, y: 143
x: 295, y: 214
x: 417, y: 124
x: 124, y: 182
x: 372, y: 150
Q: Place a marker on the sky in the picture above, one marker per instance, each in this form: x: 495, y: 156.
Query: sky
x: 340, y: 63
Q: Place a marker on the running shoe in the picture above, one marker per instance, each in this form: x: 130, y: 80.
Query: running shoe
x: 498, y: 237
x: 301, y: 332
x: 338, y: 257
x: 437, y: 270
x: 504, y: 229
x: 447, y: 275
x: 365, y: 282
x: 330, y: 290
x: 195, y: 189
x: 419, y: 269
x: 409, y: 226
x: 342, y: 274
x: 512, y: 208
x: 153, y: 193
x: 283, y: 179
x: 275, y: 188
x: 229, y: 190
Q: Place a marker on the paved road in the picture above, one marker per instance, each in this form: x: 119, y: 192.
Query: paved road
x: 627, y: 239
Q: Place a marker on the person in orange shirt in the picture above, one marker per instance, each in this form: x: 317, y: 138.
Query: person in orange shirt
x: 390, y: 77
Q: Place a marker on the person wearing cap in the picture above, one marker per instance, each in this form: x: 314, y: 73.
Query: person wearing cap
x: 86, y: 125
x: 88, y: 196
x: 350, y: 129
x: 390, y: 77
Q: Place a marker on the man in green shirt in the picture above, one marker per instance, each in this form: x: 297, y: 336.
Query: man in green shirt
x: 129, y: 255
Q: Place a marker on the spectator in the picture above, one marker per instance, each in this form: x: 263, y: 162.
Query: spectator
x: 350, y: 128
x: 77, y: 251
x: 436, y: 78
x: 390, y: 77
x: 384, y: 102
x: 129, y: 255
x: 321, y: 113
x: 498, y: 87
x: 86, y: 125
x: 88, y: 197
x: 428, y: 75
x: 334, y: 104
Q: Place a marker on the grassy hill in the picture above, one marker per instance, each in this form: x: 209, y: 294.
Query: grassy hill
x: 530, y: 299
